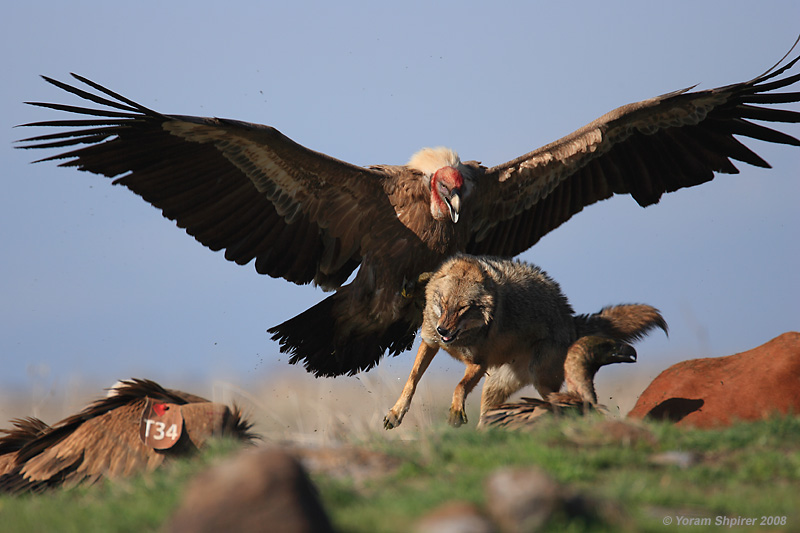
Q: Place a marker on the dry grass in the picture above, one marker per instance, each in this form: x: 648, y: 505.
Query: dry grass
x: 291, y: 406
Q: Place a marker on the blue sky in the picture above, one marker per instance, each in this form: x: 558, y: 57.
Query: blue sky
x: 96, y: 284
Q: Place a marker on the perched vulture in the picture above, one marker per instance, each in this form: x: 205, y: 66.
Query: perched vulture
x: 584, y: 359
x: 307, y: 217
x: 134, y: 429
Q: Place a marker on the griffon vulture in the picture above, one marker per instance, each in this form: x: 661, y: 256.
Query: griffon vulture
x: 584, y: 359
x: 134, y: 429
x: 307, y: 217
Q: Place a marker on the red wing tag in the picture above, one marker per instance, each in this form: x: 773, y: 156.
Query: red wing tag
x: 161, y: 424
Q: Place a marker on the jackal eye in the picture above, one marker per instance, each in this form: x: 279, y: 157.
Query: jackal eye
x: 462, y: 311
x: 437, y: 310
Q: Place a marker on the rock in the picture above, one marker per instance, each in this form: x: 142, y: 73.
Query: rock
x: 455, y: 517
x: 677, y: 458
x: 522, y: 499
x: 346, y: 462
x: 262, y: 489
x: 605, y: 432
x: 718, y: 391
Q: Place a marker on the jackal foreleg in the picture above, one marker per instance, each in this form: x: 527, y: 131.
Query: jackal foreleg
x: 424, y: 357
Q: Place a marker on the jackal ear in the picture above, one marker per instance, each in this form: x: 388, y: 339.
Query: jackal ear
x: 489, y: 285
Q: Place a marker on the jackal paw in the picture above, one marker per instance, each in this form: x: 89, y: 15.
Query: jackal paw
x: 392, y: 420
x: 457, y: 417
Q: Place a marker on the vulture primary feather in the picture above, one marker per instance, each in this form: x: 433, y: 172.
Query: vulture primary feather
x: 133, y: 429
x: 307, y: 217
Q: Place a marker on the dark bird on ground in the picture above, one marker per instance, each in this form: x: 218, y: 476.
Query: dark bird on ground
x: 584, y: 359
x: 307, y: 217
x: 134, y: 429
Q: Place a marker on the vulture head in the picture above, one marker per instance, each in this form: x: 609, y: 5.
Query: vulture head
x: 596, y: 351
x: 584, y: 359
x: 446, y: 173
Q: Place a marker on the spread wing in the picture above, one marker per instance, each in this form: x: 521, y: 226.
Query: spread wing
x: 644, y: 149
x: 241, y: 187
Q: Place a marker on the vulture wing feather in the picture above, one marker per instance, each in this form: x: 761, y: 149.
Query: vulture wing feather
x: 644, y: 149
x: 102, y: 441
x: 222, y: 179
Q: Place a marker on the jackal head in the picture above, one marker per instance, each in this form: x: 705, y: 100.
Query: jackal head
x: 460, y: 300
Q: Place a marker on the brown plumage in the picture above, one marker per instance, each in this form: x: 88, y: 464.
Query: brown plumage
x: 115, y: 436
x: 25, y: 431
x: 307, y: 217
x: 584, y: 359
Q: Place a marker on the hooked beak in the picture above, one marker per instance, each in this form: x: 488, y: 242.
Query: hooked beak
x: 454, y: 204
x: 625, y: 353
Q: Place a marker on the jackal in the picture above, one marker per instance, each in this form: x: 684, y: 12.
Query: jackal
x: 511, y: 319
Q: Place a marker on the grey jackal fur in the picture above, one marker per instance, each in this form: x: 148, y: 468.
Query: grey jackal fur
x: 509, y: 320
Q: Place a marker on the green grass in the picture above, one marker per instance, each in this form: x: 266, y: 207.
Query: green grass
x: 748, y: 470
x: 136, y: 504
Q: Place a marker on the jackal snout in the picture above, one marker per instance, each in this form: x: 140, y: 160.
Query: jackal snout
x: 451, y: 325
x: 448, y: 326
x: 446, y: 334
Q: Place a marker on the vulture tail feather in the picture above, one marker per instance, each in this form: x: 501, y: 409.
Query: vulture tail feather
x: 311, y: 338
